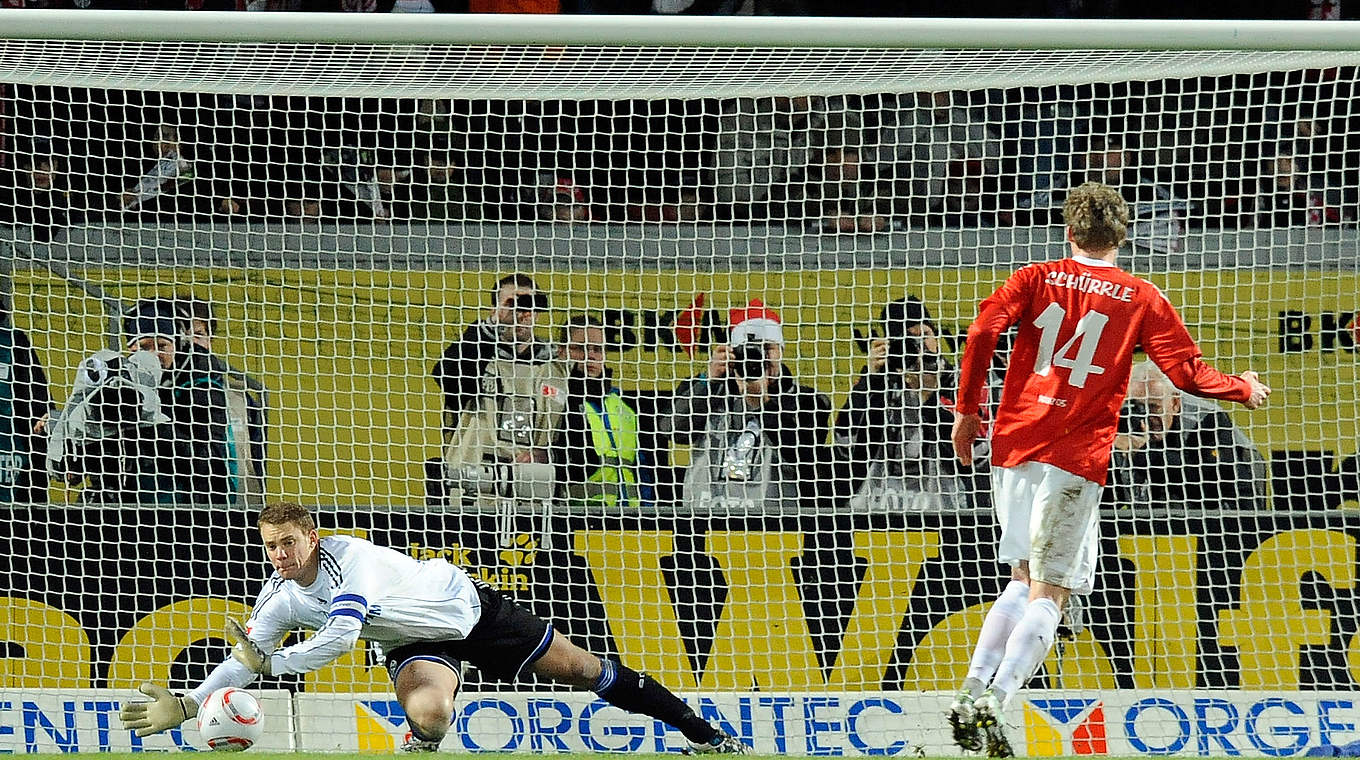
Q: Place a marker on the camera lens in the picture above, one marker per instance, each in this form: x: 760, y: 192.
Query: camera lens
x: 1133, y: 417
x: 908, y: 354
x: 748, y: 361
x: 530, y: 302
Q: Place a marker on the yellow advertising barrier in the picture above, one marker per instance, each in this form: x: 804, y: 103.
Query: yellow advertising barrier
x: 897, y: 626
x: 347, y: 355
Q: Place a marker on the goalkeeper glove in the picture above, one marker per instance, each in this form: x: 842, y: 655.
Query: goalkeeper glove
x: 246, y: 652
x: 164, y: 711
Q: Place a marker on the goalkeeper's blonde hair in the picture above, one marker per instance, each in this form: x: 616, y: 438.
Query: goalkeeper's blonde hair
x: 1097, y: 216
x: 284, y: 512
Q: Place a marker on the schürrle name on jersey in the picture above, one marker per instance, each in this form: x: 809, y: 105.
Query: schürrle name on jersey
x: 1084, y: 283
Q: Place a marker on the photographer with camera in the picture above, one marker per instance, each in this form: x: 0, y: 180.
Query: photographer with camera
x: 896, y: 422
x: 149, y: 426
x: 504, y: 397
x: 1175, y: 448
x: 758, y: 436
x: 506, y: 333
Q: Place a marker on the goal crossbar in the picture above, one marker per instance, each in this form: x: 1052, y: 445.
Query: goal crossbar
x: 474, y: 56
x: 689, y: 31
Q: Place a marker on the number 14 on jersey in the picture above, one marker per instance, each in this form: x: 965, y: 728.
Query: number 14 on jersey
x: 1084, y: 340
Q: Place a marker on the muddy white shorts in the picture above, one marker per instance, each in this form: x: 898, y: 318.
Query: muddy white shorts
x: 1049, y: 517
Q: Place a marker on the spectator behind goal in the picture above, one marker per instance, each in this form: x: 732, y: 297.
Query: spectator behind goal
x: 601, y: 452
x: 112, y: 435
x: 896, y: 421
x: 759, y: 437
x: 504, y: 396
x: 246, y: 397
x: 24, y: 404
x: 151, y: 426
x: 1174, y: 448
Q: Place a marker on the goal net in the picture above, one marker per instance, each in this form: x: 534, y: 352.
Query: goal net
x: 657, y: 329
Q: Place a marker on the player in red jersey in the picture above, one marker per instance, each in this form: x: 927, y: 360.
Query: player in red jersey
x: 1080, y: 320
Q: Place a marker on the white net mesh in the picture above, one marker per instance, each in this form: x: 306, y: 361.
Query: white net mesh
x: 311, y: 237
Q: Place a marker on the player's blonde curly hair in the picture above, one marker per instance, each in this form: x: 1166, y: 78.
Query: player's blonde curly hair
x: 285, y: 512
x: 1097, y: 216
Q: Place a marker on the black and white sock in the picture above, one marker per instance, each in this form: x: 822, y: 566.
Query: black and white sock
x: 623, y: 687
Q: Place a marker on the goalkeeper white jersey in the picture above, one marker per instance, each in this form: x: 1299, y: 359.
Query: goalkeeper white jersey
x: 361, y: 591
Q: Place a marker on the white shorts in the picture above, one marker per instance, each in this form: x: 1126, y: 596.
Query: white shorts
x: 1049, y: 517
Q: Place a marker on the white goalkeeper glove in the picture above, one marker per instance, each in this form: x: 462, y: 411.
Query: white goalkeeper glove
x: 246, y: 652
x: 164, y: 711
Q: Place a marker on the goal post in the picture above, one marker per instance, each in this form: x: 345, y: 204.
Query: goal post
x: 313, y: 209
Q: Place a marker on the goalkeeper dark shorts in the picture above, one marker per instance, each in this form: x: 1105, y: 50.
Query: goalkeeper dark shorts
x: 504, y: 643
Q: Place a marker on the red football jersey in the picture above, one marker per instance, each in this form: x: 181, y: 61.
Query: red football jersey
x: 1080, y: 321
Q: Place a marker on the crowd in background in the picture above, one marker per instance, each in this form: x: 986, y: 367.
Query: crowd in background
x: 1236, y: 152
x: 1254, y: 151
x: 1239, y: 152
x: 529, y: 419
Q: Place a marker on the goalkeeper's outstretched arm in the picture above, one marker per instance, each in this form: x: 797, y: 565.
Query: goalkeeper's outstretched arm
x: 339, y: 635
x: 165, y: 710
x: 248, y: 660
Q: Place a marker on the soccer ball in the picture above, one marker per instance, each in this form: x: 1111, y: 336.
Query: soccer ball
x: 230, y: 720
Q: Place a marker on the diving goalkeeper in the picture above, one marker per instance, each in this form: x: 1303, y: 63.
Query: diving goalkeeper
x: 429, y: 617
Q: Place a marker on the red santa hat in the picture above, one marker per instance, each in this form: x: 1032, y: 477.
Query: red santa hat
x: 570, y: 189
x: 755, y: 323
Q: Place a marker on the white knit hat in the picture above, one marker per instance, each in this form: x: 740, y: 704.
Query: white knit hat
x: 755, y: 323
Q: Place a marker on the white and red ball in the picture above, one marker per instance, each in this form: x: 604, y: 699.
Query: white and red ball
x: 230, y: 720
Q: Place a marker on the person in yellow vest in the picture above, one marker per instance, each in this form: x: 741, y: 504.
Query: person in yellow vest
x: 597, y: 453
